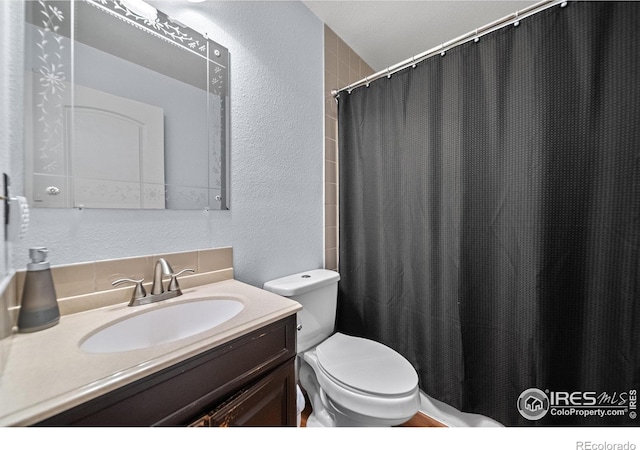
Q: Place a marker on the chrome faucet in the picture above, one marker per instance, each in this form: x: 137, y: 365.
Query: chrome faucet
x: 162, y: 268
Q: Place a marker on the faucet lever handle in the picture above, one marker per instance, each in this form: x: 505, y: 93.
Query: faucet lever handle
x: 139, y: 291
x: 173, y: 284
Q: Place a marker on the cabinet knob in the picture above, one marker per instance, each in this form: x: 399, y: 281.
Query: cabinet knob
x: 52, y: 190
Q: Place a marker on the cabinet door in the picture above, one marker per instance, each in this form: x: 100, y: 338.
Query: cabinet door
x: 269, y: 402
x: 202, y: 422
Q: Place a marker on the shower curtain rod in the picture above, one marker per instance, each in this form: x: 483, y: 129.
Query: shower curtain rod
x: 475, y: 35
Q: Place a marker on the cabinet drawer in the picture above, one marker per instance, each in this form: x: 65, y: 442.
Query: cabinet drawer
x: 179, y: 394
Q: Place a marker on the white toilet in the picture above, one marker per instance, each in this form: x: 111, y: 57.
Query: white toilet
x: 350, y: 381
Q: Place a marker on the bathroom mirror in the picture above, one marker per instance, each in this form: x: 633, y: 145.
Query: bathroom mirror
x: 125, y: 107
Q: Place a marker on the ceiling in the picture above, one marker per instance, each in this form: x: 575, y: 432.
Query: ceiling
x: 385, y: 33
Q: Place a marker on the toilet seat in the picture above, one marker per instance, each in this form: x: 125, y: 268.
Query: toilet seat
x: 366, y: 366
x: 365, y: 377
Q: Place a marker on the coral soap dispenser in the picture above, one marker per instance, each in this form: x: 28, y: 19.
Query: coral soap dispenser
x: 39, y: 306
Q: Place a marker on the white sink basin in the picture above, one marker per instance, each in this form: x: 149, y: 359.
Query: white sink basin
x: 161, y: 325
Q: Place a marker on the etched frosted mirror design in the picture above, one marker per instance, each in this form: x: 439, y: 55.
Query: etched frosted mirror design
x: 125, y: 108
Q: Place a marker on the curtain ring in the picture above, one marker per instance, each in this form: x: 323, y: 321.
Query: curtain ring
x: 413, y: 59
x: 388, y: 73
x: 563, y: 4
x: 477, y: 38
x: 517, y: 22
x: 442, y: 53
x: 366, y: 81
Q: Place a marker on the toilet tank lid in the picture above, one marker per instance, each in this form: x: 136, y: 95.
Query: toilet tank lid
x: 302, y: 282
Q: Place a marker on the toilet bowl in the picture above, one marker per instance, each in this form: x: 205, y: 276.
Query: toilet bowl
x: 359, y: 383
x: 350, y: 381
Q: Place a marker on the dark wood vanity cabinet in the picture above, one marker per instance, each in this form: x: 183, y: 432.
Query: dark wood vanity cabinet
x: 249, y: 381
x: 265, y: 403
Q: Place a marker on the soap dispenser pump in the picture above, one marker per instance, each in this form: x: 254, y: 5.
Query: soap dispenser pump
x: 39, y: 306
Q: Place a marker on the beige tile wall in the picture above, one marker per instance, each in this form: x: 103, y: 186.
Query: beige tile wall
x: 88, y: 285
x: 342, y: 66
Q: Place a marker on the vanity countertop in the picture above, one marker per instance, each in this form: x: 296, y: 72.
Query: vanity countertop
x: 47, y: 372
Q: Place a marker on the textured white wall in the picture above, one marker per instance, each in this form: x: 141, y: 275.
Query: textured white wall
x: 10, y: 101
x: 11, y: 135
x: 275, y: 222
x: 277, y: 130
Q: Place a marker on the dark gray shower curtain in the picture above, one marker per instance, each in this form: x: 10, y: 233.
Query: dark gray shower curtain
x: 490, y: 213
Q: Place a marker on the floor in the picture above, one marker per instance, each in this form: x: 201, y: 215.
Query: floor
x: 419, y: 420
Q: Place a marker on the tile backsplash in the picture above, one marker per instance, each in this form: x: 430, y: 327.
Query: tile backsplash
x: 342, y: 66
x: 6, y: 292
x: 88, y: 285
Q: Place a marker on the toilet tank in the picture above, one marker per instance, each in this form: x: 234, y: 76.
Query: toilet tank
x: 317, y: 291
